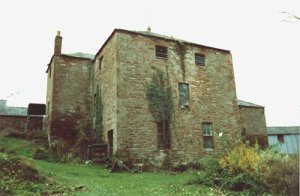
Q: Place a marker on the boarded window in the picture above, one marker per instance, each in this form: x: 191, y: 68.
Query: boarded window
x: 163, y: 135
x: 184, y: 95
x: 161, y: 52
x: 100, y: 62
x: 199, y: 59
x: 207, y: 135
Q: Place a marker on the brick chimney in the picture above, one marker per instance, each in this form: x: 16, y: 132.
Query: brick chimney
x: 57, y: 44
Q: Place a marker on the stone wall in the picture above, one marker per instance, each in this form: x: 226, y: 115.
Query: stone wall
x: 253, y: 124
x: 17, y: 123
x: 212, y: 98
x: 106, y: 79
x: 68, y: 97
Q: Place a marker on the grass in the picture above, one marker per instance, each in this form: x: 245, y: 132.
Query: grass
x: 96, y: 180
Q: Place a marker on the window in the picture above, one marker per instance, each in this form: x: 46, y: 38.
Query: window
x: 49, y: 71
x: 184, y: 95
x: 161, y: 52
x: 199, y: 59
x: 207, y: 135
x: 100, y: 62
x: 163, y: 135
x: 95, y: 99
x: 280, y: 138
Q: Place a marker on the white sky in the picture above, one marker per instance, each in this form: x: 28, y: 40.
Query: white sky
x: 265, y: 50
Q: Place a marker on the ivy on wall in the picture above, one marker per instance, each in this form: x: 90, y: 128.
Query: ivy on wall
x: 98, y: 115
x: 160, y: 104
x: 159, y: 96
x: 181, y: 50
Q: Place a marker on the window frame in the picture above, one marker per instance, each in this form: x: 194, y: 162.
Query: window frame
x: 280, y: 138
x: 207, y: 136
x: 183, y: 105
x: 199, y: 62
x: 163, y: 143
x: 100, y: 62
x: 161, y: 54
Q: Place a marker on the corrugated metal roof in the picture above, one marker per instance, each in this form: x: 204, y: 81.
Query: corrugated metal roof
x: 283, y: 130
x: 248, y: 104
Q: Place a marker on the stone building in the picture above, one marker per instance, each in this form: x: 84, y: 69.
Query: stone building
x: 19, y: 118
x: 203, y: 91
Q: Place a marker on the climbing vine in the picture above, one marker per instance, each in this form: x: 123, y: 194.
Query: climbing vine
x: 159, y: 96
x: 181, y: 50
x: 99, y: 114
x: 160, y: 104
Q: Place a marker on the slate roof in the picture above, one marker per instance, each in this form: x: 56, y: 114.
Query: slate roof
x: 82, y: 55
x: 155, y: 35
x: 248, y: 104
x: 283, y: 130
x: 13, y: 111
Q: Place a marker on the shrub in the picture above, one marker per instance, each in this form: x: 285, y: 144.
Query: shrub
x: 283, y: 174
x: 41, y: 153
x: 245, y: 159
x: 262, y: 170
x: 17, y: 134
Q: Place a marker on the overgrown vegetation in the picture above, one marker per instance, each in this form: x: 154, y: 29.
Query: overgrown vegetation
x: 253, y: 170
x: 181, y: 50
x: 70, y: 135
x: 160, y: 102
x: 99, y: 115
x: 85, y: 179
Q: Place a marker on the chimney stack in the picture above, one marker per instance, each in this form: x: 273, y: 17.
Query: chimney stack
x: 57, y: 44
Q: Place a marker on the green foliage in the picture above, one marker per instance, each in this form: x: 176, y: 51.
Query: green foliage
x: 213, y: 174
x: 266, y: 169
x: 99, y: 114
x: 181, y: 50
x: 159, y: 96
x: 244, y: 159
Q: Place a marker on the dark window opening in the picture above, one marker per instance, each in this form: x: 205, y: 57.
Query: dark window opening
x: 49, y: 71
x: 100, y: 62
x: 161, y: 52
x: 199, y: 59
x: 163, y: 135
x: 184, y: 95
x: 110, y: 138
x: 95, y: 99
x: 280, y: 138
x: 207, y: 135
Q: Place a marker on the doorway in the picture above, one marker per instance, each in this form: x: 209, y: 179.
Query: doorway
x: 110, y: 138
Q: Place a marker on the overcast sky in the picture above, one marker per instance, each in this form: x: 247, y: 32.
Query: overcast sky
x: 265, y: 49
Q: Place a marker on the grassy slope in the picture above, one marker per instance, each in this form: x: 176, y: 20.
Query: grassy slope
x: 98, y: 181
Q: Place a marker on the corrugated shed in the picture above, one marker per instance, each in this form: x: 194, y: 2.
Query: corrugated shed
x: 284, y: 139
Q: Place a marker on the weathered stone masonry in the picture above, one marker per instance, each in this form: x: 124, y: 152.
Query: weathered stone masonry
x: 121, y: 68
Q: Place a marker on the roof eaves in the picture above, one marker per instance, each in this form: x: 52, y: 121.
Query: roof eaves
x: 166, y: 38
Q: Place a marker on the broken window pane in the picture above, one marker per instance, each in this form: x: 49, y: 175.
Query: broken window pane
x: 184, y: 94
